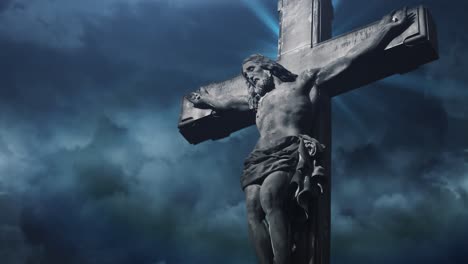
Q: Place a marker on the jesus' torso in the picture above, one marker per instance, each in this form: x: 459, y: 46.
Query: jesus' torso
x: 288, y: 110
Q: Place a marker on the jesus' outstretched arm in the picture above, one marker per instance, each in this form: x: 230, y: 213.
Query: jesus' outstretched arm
x: 390, y: 27
x: 204, y: 100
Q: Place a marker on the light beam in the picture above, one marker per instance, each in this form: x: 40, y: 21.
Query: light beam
x: 263, y: 15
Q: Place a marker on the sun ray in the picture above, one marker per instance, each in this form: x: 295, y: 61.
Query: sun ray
x: 373, y: 101
x: 336, y: 3
x: 413, y: 82
x: 351, y: 116
x: 263, y: 15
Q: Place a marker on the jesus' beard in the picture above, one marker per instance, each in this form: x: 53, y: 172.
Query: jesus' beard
x: 265, y: 85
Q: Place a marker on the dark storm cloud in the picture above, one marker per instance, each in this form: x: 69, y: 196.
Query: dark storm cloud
x: 14, y: 248
x: 109, y: 194
x: 92, y: 169
x: 41, y: 78
x: 5, y: 4
x: 399, y: 163
x: 403, y: 192
x: 106, y: 177
x: 393, y: 214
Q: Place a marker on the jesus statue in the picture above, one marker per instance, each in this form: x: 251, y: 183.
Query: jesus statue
x: 284, y: 171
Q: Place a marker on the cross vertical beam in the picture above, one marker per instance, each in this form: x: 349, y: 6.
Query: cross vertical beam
x: 303, y: 24
x: 322, y: 18
x: 321, y: 231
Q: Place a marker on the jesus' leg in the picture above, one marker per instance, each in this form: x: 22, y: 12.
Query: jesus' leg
x: 257, y: 230
x: 273, y: 197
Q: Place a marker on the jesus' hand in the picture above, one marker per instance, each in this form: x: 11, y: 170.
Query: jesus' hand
x: 200, y: 99
x: 399, y: 19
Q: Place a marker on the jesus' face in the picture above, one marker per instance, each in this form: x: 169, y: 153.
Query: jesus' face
x: 261, y: 79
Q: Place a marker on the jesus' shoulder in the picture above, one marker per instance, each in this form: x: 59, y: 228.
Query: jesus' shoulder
x: 319, y: 77
x: 316, y: 81
x: 307, y: 82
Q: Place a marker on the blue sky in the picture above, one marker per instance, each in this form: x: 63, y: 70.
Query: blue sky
x: 93, y: 169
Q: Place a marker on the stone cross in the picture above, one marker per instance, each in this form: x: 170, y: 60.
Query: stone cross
x: 304, y: 42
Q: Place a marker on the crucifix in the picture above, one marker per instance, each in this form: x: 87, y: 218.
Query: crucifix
x: 327, y: 67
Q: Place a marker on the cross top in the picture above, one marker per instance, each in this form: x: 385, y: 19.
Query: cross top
x: 303, y: 24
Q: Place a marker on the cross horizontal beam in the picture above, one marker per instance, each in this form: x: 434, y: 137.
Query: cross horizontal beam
x: 414, y: 47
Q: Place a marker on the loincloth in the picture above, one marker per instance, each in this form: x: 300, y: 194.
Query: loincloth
x: 300, y: 156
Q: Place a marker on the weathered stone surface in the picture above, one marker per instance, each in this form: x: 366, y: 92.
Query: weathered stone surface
x: 284, y: 104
